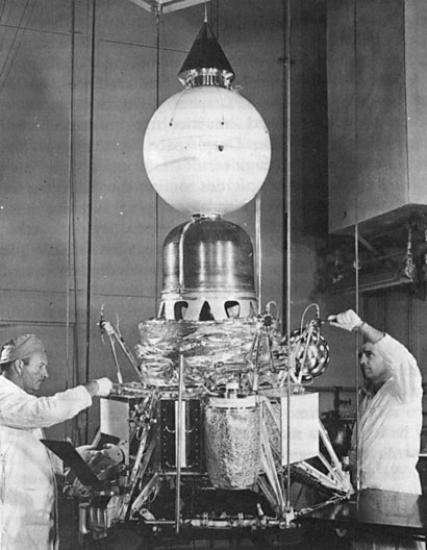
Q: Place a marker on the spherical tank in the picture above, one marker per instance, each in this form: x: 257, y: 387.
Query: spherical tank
x: 207, y: 150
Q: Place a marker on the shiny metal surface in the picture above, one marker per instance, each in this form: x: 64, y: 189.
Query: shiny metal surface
x: 374, y: 508
x: 208, y: 254
x: 215, y: 352
x: 311, y: 352
x: 207, y: 259
x: 232, y: 434
x: 206, y: 63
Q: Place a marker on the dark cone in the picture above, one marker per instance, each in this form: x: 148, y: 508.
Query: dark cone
x: 206, y: 53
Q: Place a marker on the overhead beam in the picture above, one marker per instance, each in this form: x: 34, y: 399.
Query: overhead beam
x: 165, y: 6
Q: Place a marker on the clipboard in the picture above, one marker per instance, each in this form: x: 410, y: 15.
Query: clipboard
x: 71, y: 459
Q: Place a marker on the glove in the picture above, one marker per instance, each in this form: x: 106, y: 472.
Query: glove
x: 86, y: 452
x: 104, y: 386
x: 347, y: 320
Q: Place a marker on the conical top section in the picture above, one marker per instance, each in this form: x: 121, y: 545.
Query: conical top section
x: 206, y: 64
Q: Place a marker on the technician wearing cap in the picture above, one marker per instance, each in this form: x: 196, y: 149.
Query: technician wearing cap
x: 27, y: 482
x: 390, y: 418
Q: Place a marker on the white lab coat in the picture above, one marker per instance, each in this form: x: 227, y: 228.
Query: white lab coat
x: 27, y: 483
x: 389, y: 431
x: 390, y: 425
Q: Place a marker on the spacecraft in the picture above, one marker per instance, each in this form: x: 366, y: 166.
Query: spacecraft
x: 220, y: 418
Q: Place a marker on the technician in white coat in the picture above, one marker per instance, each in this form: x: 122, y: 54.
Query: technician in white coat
x: 390, y: 416
x: 27, y: 468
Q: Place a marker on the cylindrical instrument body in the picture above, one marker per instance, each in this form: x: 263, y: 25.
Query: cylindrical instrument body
x: 232, y: 442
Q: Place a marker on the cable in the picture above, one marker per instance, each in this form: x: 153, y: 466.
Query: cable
x: 291, y: 358
x: 2, y: 8
x: 90, y: 199
x: 304, y: 313
x: 13, y: 49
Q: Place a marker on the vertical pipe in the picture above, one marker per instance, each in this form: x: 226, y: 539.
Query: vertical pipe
x: 90, y: 195
x: 356, y: 256
x: 71, y: 348
x: 70, y: 205
x: 258, y: 250
x: 357, y: 382
x: 410, y: 324
x: 156, y: 198
x: 178, y: 435
x: 181, y: 256
x: 288, y: 196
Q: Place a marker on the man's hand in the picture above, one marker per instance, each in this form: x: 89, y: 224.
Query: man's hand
x: 347, y: 320
x: 87, y: 452
x: 100, y: 387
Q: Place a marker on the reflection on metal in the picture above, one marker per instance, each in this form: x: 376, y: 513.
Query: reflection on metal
x: 402, y: 515
x: 207, y: 268
x: 312, y: 352
x: 232, y: 435
x: 206, y: 64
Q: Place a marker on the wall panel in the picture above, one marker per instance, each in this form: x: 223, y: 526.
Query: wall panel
x: 123, y: 199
